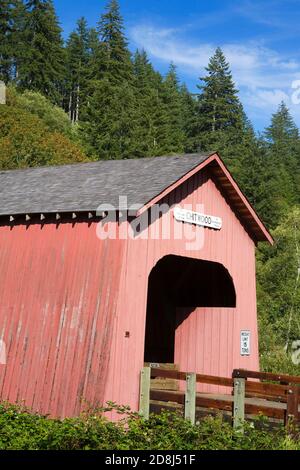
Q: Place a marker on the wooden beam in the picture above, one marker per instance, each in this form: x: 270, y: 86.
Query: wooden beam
x: 200, y: 378
x: 190, y: 398
x: 283, y: 378
x: 239, y: 404
x: 292, y: 413
x: 168, y: 396
x: 145, y: 392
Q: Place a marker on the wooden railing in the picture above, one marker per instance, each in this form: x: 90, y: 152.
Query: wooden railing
x: 250, y: 397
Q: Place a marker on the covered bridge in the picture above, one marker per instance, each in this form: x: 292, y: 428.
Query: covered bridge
x: 107, y: 265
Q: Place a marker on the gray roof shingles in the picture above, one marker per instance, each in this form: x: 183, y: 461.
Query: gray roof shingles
x: 83, y: 187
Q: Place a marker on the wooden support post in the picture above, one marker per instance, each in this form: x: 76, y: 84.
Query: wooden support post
x: 239, y: 403
x: 292, y: 413
x: 190, y: 398
x: 145, y: 392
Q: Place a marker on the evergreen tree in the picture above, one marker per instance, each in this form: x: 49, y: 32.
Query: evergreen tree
x: 282, y: 148
x: 283, y: 143
x: 283, y: 132
x: 189, y: 118
x: 117, y: 66
x: 42, y: 64
x: 96, y: 56
x: 110, y: 113
x: 151, y: 130
x: 11, y: 16
x: 5, y: 34
x: 77, y: 52
x: 222, y: 125
x: 16, y: 37
x: 219, y: 106
x: 173, y: 104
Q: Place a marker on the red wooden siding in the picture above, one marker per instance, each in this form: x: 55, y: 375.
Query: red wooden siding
x: 58, y: 290
x: 68, y: 301
x: 235, y: 250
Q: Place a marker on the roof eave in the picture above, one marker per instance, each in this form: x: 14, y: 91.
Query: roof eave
x: 260, y: 234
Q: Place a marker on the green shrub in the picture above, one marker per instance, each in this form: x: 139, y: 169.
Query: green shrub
x: 22, y: 430
x: 25, y: 141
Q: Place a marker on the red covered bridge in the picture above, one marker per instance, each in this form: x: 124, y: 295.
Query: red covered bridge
x: 93, y: 285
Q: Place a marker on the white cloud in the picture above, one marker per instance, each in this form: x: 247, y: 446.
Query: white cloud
x: 263, y: 76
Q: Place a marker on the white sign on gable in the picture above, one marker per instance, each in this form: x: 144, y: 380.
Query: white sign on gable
x: 203, y: 220
x: 245, y: 343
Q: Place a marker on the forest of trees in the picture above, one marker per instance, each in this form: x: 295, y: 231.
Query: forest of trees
x: 90, y: 98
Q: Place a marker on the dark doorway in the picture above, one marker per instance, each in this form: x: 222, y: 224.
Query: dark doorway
x: 181, y: 282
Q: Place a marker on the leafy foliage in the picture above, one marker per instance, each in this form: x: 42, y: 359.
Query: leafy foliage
x: 33, y: 139
x: 279, y: 296
x: 35, y: 103
x: 21, y: 430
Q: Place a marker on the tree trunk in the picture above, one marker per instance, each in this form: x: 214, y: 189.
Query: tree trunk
x: 77, y: 104
x: 70, y: 107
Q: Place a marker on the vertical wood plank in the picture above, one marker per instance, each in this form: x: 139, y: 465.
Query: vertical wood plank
x: 145, y: 392
x: 292, y: 413
x: 190, y: 398
x: 239, y: 403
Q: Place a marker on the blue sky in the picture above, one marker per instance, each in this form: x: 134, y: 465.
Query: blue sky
x: 260, y: 39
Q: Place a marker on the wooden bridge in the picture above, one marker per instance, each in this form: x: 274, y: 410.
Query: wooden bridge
x: 249, y: 394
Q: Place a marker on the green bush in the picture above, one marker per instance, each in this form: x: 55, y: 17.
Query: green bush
x: 22, y: 430
x: 32, y: 139
x: 34, y: 103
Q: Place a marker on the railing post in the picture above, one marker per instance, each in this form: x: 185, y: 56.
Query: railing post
x: 239, y: 403
x: 190, y: 398
x: 145, y: 392
x: 292, y: 413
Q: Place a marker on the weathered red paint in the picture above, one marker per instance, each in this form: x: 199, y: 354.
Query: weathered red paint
x: 68, y: 301
x: 58, y: 289
x: 209, y: 341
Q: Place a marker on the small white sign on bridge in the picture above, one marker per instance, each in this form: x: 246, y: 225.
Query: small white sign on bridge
x: 245, y: 343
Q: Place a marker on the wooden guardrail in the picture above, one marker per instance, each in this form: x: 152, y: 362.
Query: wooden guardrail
x: 287, y: 391
x: 274, y: 400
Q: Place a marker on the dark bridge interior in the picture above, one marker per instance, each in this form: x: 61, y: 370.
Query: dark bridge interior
x: 181, y: 282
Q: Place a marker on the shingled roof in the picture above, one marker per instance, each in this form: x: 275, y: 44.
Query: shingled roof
x: 83, y: 187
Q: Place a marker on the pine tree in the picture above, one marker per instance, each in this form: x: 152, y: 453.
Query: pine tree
x: 42, y: 64
x: 189, y: 118
x: 77, y: 53
x: 118, y: 66
x: 16, y: 38
x: 110, y: 115
x: 96, y: 56
x: 173, y: 104
x: 283, y: 150
x: 5, y: 31
x: 221, y: 123
x: 283, y: 131
x: 151, y: 136
x: 10, y: 28
x: 145, y: 138
x: 220, y: 112
x: 282, y: 138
